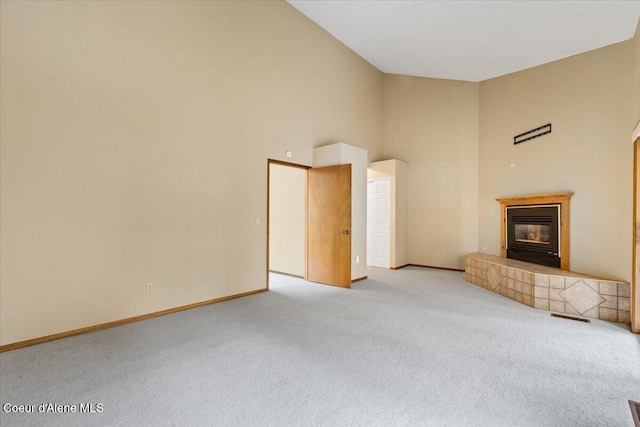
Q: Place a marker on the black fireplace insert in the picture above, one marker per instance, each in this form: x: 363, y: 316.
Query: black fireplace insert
x: 533, y: 234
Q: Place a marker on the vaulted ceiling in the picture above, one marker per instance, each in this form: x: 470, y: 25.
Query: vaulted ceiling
x: 471, y: 40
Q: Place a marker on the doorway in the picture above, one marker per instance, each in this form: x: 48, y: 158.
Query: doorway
x: 309, y: 222
x: 379, y: 223
x: 286, y: 219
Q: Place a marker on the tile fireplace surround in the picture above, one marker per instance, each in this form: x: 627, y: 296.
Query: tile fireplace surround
x: 550, y: 289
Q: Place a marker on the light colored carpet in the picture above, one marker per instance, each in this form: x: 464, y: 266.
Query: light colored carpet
x: 408, y: 347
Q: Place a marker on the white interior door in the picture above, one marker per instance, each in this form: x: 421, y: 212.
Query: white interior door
x: 379, y: 223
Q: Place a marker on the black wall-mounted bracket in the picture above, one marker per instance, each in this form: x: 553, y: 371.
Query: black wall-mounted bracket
x: 535, y: 133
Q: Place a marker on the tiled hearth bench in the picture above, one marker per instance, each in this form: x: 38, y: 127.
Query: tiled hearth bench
x: 551, y: 289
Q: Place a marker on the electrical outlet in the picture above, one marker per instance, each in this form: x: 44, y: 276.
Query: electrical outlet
x: 149, y: 287
x: 440, y: 253
x: 357, y: 259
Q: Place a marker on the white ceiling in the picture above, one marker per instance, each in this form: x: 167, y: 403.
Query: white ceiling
x: 471, y: 40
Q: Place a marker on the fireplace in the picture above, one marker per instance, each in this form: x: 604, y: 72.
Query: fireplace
x: 533, y: 234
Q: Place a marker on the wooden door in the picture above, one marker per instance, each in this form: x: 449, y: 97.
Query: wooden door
x: 329, y: 225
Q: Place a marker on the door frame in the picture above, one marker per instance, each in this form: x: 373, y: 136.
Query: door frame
x: 291, y: 165
x: 635, y: 287
x: 386, y: 178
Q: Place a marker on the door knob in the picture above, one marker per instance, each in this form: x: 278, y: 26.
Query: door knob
x: 345, y: 231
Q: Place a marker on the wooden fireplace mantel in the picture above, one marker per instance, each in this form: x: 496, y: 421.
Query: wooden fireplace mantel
x: 539, y: 199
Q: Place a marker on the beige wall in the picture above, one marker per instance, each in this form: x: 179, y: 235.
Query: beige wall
x: 397, y: 172
x: 433, y: 125
x: 402, y: 214
x: 587, y: 100
x: 134, y: 145
x: 287, y: 219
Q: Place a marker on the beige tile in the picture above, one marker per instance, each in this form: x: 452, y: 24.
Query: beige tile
x: 527, y: 277
x: 556, y: 282
x: 542, y: 280
x: 503, y: 290
x: 511, y: 284
x: 593, y: 284
x: 623, y: 304
x: 503, y: 270
x: 610, y: 301
x: 518, y: 275
x: 518, y: 296
x: 554, y: 294
x: 467, y: 277
x: 624, y: 290
x: 511, y: 293
x: 594, y: 313
x: 518, y: 287
x: 608, y: 288
x: 570, y: 310
x: 542, y: 304
x: 556, y: 306
x: 623, y: 317
x: 569, y: 281
x: 511, y: 273
x: 541, y: 292
x: 485, y: 283
x: 581, y: 297
x: 493, y: 276
x: 527, y: 300
x: 527, y: 289
x: 609, y: 314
